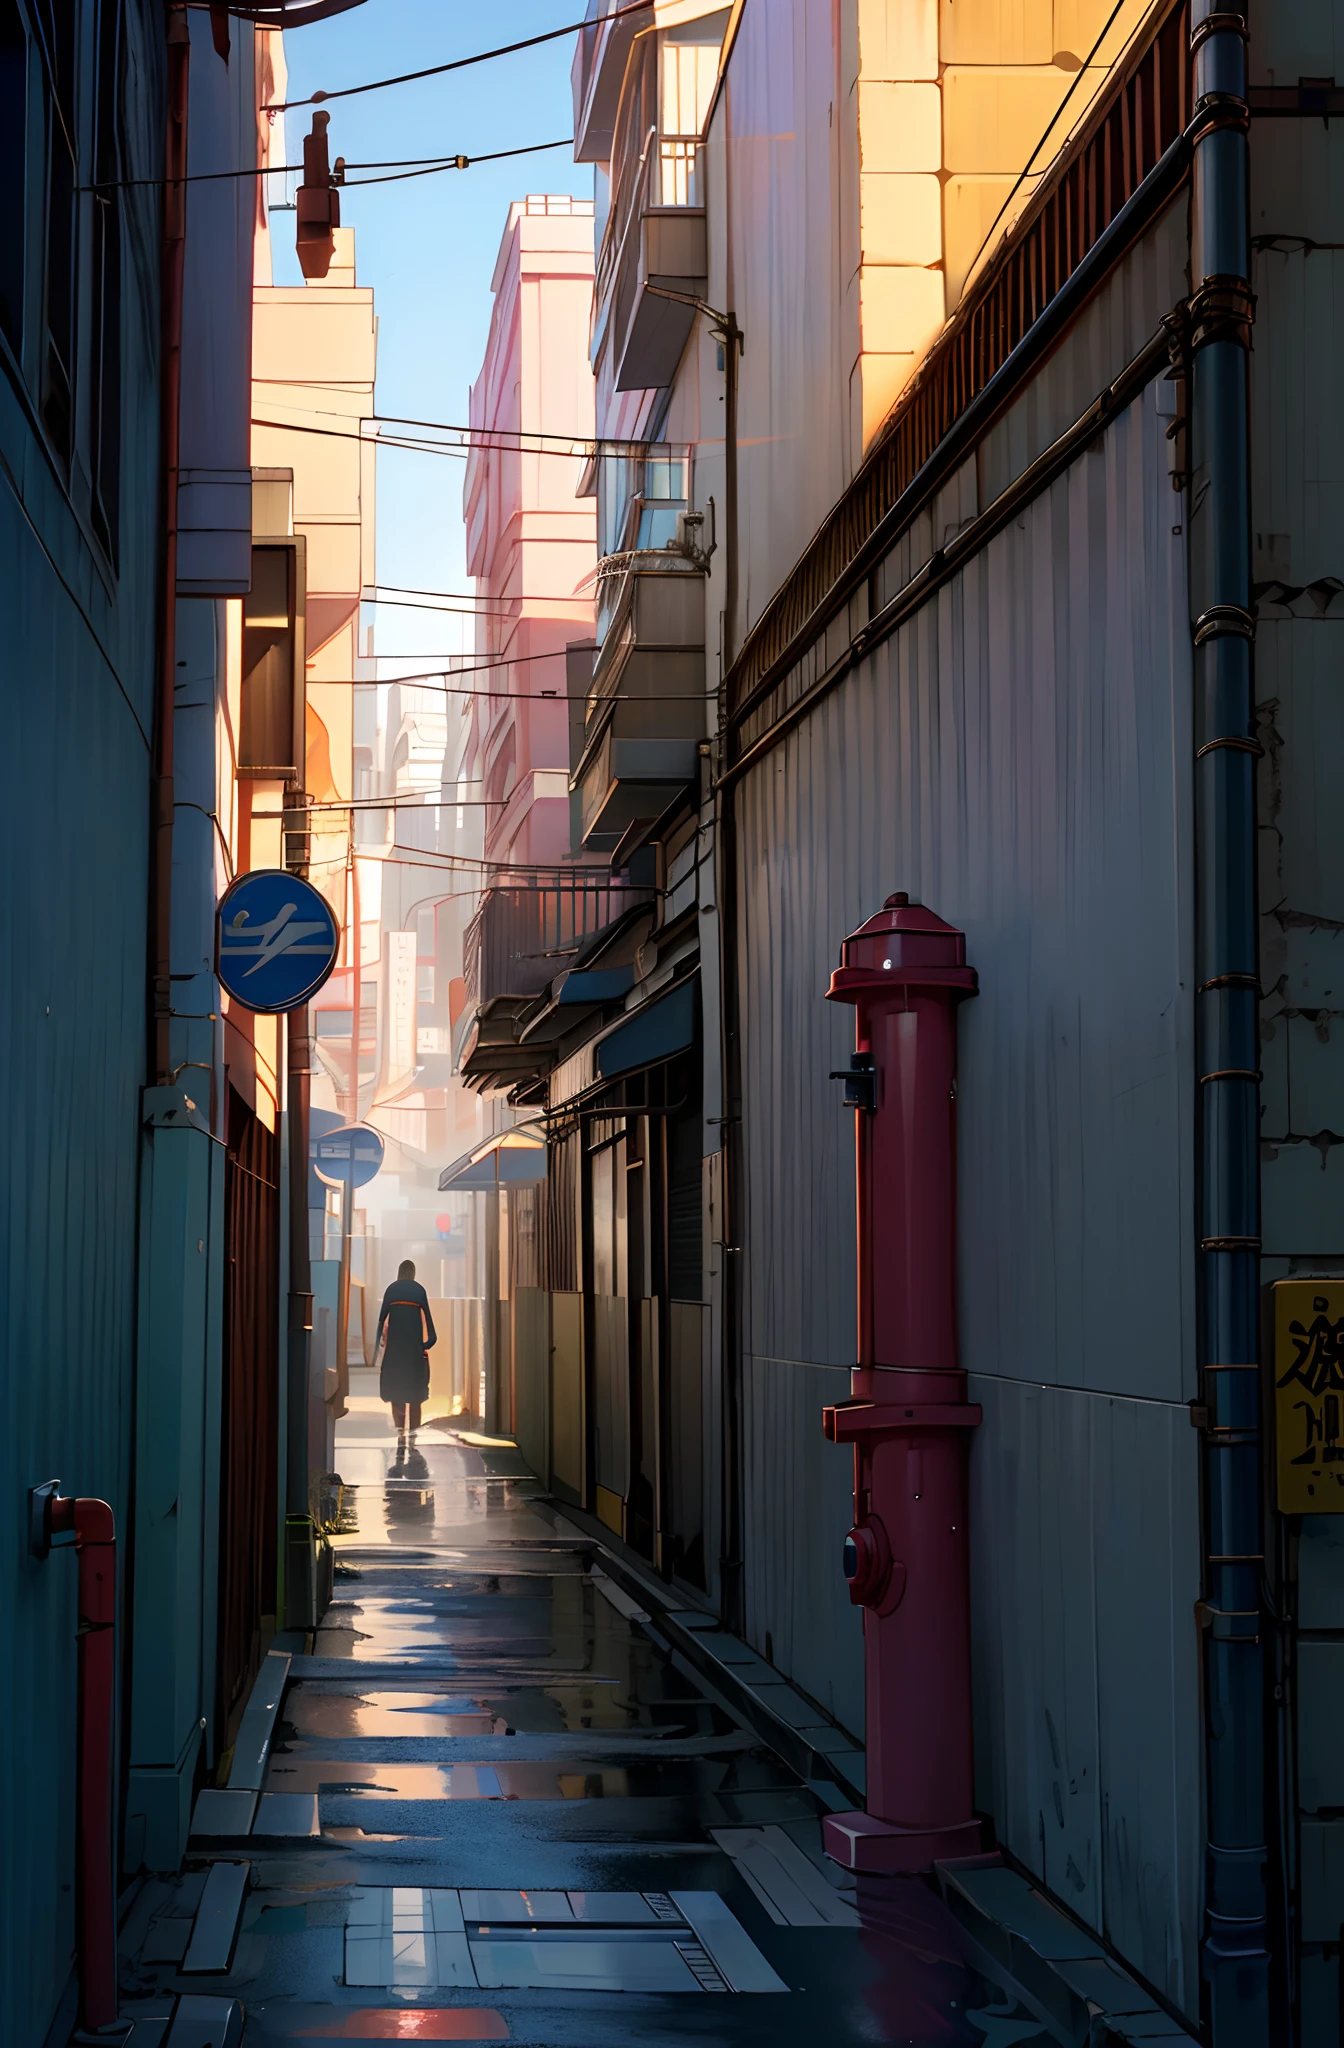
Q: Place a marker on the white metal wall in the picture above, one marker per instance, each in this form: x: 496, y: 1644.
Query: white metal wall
x: 1017, y: 756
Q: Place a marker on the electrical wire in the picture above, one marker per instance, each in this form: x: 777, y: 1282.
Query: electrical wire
x: 421, y: 682
x: 578, y: 450
x: 475, y: 668
x: 475, y: 596
x: 494, y: 437
x: 462, y: 863
x: 467, y: 611
x: 551, y: 35
x: 367, y: 440
x: 553, y: 872
x: 409, y: 800
x: 458, y: 163
x: 428, y: 167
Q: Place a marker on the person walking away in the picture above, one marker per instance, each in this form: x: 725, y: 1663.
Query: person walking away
x: 406, y: 1332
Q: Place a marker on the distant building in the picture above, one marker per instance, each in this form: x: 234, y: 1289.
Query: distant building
x: 531, y: 539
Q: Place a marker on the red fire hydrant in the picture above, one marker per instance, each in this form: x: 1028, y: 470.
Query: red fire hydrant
x: 906, y: 1558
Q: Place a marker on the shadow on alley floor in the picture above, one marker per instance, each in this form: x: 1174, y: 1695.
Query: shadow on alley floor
x: 530, y: 1821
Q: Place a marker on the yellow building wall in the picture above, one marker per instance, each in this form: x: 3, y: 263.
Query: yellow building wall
x: 957, y: 109
x: 314, y: 362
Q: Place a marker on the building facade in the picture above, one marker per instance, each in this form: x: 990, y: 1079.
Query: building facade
x: 79, y: 552
x: 954, y: 538
x: 157, y: 581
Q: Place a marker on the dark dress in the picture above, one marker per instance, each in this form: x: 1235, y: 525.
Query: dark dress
x: 405, y: 1373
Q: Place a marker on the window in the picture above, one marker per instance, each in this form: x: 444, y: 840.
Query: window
x: 13, y: 168
x: 58, y: 23
x: 105, y: 408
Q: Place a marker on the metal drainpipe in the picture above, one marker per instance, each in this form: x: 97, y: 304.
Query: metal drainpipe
x: 300, y: 1267
x: 300, y: 1054
x: 730, y: 1047
x: 171, y: 269
x: 1235, y: 1945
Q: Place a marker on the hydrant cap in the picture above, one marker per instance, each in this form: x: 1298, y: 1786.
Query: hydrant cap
x: 903, y: 943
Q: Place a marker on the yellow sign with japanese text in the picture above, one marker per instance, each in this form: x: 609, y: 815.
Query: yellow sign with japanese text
x: 1309, y: 1396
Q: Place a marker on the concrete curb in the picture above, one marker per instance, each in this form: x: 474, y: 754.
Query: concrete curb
x: 1060, y: 1971
x: 798, y: 1730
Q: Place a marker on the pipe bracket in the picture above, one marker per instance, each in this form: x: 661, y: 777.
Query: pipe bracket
x: 1223, y: 309
x: 1222, y: 620
x: 1222, y: 1622
x: 1215, y: 982
x: 1224, y: 23
x: 1215, y: 111
x: 1231, y: 744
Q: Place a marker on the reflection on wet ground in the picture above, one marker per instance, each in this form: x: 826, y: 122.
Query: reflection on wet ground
x: 535, y: 1826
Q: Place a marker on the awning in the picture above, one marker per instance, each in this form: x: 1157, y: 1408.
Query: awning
x: 514, y: 1159
x: 653, y: 1033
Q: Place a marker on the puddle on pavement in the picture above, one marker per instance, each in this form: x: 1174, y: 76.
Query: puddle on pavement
x: 410, y: 1715
x: 560, y: 1616
x: 452, y: 1569
x: 664, y: 1702
x: 677, y: 1778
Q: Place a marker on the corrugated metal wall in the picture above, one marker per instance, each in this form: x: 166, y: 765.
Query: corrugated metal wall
x: 1017, y: 756
x: 1297, y: 421
x: 75, y: 681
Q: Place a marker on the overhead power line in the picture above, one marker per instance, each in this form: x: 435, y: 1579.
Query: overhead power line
x: 422, y: 680
x: 569, y: 444
x: 424, y: 167
x: 549, y: 876
x: 462, y: 163
x: 504, y: 437
x: 478, y: 596
x: 578, y: 448
x: 470, y: 610
x: 472, y: 668
x: 550, y: 35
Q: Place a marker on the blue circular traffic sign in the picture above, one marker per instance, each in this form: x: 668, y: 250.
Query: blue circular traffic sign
x: 352, y: 1152
x: 277, y: 940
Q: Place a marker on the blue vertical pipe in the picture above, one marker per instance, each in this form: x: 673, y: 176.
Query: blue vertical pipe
x: 1235, y: 1944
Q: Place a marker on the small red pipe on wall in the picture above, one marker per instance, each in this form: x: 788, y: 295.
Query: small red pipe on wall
x: 91, y: 1524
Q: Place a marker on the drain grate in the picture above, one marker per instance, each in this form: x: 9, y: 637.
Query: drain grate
x: 702, y: 1966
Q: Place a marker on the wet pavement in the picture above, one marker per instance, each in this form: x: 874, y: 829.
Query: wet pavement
x: 531, y: 1821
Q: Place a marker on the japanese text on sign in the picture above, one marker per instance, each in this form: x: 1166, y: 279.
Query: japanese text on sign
x: 1309, y: 1396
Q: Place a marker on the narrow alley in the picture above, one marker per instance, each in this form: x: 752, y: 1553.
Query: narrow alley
x: 672, y: 1023
x: 490, y: 1786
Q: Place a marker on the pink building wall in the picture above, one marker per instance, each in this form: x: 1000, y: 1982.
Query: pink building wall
x: 531, y: 543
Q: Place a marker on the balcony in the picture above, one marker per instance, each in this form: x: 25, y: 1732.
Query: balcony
x: 645, y: 711
x: 655, y: 243
x: 598, y: 73
x: 519, y: 942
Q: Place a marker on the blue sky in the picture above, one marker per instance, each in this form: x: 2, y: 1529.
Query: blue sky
x: 428, y: 245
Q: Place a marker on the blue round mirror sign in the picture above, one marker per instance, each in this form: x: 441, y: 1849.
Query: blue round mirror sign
x: 277, y: 941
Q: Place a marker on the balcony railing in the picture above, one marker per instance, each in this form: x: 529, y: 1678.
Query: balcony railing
x: 520, y: 939
x: 644, y: 710
x: 598, y: 72
x: 518, y: 943
x: 654, y: 244
x: 679, y: 174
